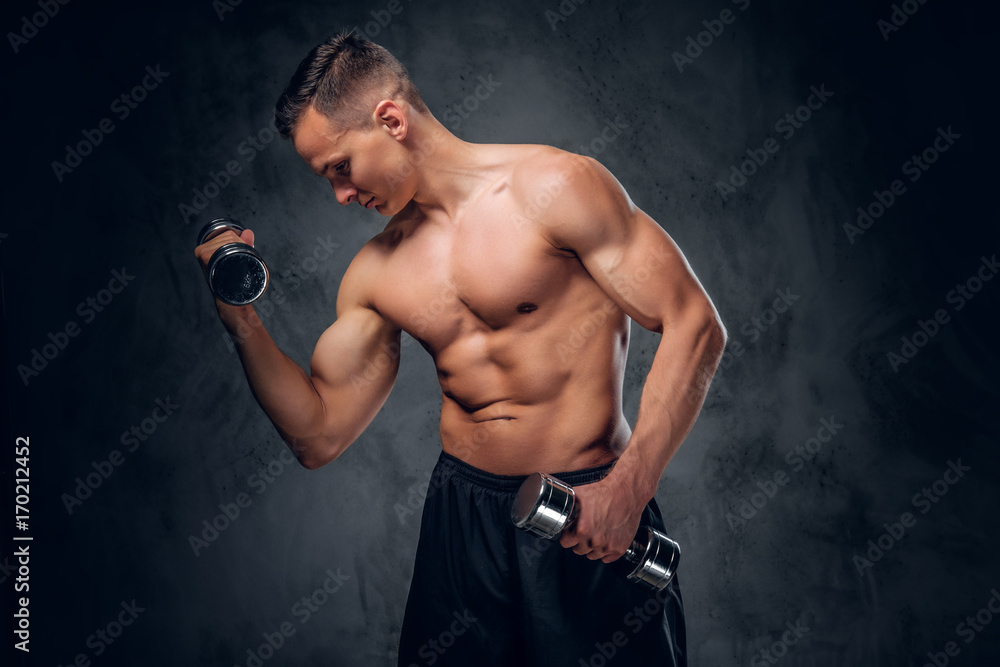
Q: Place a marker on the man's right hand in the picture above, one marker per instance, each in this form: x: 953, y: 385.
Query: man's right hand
x: 205, y: 251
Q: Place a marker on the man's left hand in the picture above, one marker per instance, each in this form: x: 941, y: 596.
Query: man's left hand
x: 607, y: 519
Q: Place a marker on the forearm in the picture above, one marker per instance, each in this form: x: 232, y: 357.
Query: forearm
x: 281, y: 387
x: 675, y: 389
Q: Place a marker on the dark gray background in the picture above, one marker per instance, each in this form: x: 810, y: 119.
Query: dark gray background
x: 793, y: 561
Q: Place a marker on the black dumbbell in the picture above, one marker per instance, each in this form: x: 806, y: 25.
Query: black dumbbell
x: 545, y: 505
x: 236, y: 272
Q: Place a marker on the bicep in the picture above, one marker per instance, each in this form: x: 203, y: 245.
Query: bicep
x: 357, y: 355
x: 356, y: 359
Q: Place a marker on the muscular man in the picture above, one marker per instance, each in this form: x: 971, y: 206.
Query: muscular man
x: 518, y: 268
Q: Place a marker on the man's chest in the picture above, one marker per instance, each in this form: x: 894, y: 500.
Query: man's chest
x: 488, y: 273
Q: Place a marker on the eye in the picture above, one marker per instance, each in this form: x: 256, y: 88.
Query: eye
x: 342, y: 167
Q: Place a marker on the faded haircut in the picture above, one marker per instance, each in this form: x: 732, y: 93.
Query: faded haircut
x: 344, y: 78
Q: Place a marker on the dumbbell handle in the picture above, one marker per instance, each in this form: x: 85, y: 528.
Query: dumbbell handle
x: 634, y: 552
x: 216, y: 227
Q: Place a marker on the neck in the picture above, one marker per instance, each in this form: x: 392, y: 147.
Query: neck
x: 448, y: 170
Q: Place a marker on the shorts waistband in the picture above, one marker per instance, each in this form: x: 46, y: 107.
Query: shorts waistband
x: 513, y: 482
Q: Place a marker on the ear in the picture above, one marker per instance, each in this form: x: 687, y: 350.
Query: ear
x: 389, y: 115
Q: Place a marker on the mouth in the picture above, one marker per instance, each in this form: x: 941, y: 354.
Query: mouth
x: 370, y: 203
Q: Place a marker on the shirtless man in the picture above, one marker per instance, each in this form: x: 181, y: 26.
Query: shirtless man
x: 517, y: 267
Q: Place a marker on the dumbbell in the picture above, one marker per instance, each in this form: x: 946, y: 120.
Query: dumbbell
x: 545, y: 505
x: 236, y: 272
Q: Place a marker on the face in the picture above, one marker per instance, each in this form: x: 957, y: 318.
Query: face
x: 362, y: 166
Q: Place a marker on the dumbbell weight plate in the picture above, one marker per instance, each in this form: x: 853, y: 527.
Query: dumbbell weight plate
x: 237, y: 277
x: 657, y: 557
x: 543, y: 505
x: 236, y: 272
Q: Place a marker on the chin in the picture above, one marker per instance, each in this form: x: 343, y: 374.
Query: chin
x: 386, y: 209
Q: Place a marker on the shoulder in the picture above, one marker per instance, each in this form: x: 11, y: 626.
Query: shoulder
x: 538, y: 169
x: 566, y: 194
x: 358, y: 284
x: 368, y: 267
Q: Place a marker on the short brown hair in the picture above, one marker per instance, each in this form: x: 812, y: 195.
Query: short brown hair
x: 344, y: 77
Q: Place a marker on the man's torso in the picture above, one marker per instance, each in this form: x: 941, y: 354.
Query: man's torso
x: 529, y: 350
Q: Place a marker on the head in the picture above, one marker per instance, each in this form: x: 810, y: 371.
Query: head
x: 348, y: 110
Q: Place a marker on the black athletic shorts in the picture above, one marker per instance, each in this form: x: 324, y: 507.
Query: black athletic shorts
x: 485, y: 593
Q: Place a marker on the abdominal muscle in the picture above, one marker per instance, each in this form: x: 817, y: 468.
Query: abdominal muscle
x: 532, y: 438
x: 524, y: 408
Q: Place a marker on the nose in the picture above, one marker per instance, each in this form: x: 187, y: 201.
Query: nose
x: 344, y: 191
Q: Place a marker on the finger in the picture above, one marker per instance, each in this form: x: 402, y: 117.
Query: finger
x: 582, y: 547
x: 247, y: 236
x: 222, y: 238
x: 205, y: 251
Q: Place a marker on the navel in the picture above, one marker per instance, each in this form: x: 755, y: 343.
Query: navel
x: 526, y: 307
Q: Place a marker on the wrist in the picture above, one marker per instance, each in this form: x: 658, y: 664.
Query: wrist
x: 631, y: 475
x: 237, y: 319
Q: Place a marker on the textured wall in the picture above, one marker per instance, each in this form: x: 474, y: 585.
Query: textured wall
x: 813, y: 437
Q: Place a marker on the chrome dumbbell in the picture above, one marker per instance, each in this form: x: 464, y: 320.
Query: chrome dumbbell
x: 236, y: 272
x: 544, y: 506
